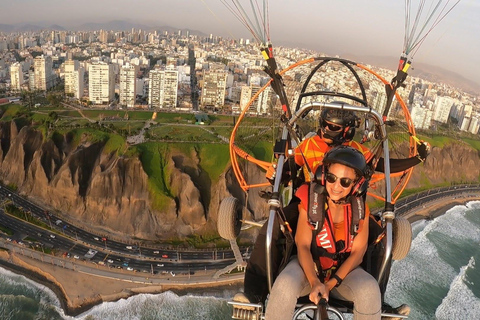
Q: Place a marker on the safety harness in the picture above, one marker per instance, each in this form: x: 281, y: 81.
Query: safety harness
x: 327, y: 253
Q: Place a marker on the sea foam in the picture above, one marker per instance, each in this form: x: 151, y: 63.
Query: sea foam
x: 460, y: 302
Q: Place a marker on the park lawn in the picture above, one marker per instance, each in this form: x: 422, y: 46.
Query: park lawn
x: 132, y: 115
x: 182, y: 133
x: 68, y: 113
x: 168, y: 117
x: 223, y: 131
x: 40, y: 117
x: 132, y: 126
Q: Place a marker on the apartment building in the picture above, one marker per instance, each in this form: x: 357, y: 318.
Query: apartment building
x: 74, y: 78
x: 128, y: 85
x: 101, y: 85
x: 43, y: 73
x: 163, y: 88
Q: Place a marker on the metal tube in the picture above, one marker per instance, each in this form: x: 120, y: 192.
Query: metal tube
x: 274, y: 206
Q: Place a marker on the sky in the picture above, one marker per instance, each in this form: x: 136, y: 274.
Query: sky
x: 358, y: 27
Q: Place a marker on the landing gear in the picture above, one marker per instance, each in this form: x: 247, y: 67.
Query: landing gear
x: 402, y: 238
x: 229, y: 218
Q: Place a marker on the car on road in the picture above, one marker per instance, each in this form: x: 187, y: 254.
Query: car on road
x: 129, y: 268
x: 76, y: 257
x: 172, y: 273
x: 110, y: 261
x: 96, y: 238
x: 164, y: 255
x: 156, y: 252
x: 52, y: 236
x: 160, y: 265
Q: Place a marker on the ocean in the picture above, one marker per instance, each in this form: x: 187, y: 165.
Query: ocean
x: 439, y: 279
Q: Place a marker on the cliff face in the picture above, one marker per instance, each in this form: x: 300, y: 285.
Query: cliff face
x: 103, y: 191
x: 455, y: 162
x: 111, y: 194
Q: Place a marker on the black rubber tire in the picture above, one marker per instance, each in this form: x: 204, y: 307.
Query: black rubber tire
x: 402, y: 238
x: 229, y: 218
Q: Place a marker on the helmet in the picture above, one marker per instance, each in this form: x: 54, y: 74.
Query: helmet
x: 338, y: 125
x: 350, y: 157
x: 354, y: 159
x: 340, y: 117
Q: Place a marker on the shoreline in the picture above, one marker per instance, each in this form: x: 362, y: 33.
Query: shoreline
x: 78, y: 292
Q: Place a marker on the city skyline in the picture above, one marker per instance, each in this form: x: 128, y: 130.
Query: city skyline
x: 349, y: 28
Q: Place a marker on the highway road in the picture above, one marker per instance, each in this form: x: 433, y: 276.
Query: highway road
x: 80, y: 247
x: 75, y: 243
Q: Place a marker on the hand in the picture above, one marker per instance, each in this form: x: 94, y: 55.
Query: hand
x: 271, y: 172
x: 319, y: 290
x: 423, y: 151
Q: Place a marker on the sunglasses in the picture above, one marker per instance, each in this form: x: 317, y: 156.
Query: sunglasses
x: 344, y: 182
x: 331, y: 126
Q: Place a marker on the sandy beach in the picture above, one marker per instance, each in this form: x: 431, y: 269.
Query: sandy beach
x: 79, y: 292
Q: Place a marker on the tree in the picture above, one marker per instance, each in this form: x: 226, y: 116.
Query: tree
x: 53, y: 115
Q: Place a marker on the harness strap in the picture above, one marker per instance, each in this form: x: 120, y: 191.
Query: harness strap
x: 316, y: 205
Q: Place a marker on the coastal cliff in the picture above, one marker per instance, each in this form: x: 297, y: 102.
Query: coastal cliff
x: 113, y: 193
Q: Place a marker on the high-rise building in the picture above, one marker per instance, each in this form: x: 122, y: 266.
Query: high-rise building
x: 163, y: 88
x: 74, y: 77
x: 16, y: 76
x: 128, y: 85
x: 101, y: 83
x: 442, y: 108
x: 43, y: 72
x: 213, y: 89
x: 421, y: 117
x: 103, y: 36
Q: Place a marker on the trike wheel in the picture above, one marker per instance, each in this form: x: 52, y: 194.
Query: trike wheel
x: 402, y: 238
x: 229, y: 218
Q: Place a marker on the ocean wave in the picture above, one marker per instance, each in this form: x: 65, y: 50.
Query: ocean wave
x: 460, y: 302
x: 22, y: 298
x: 167, y: 305
x: 436, y: 256
x: 454, y: 224
x: 418, y: 227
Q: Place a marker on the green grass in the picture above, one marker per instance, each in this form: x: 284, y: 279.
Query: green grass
x: 6, y: 230
x: 10, y: 111
x: 40, y: 117
x: 153, y: 158
x: 473, y: 143
x: 125, y: 125
x: 214, y: 158
x: 263, y: 151
x: 114, y: 143
x: 441, y: 141
x: 182, y: 133
x: 132, y: 115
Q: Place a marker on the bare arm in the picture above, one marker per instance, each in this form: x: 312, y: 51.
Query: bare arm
x: 303, y: 239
